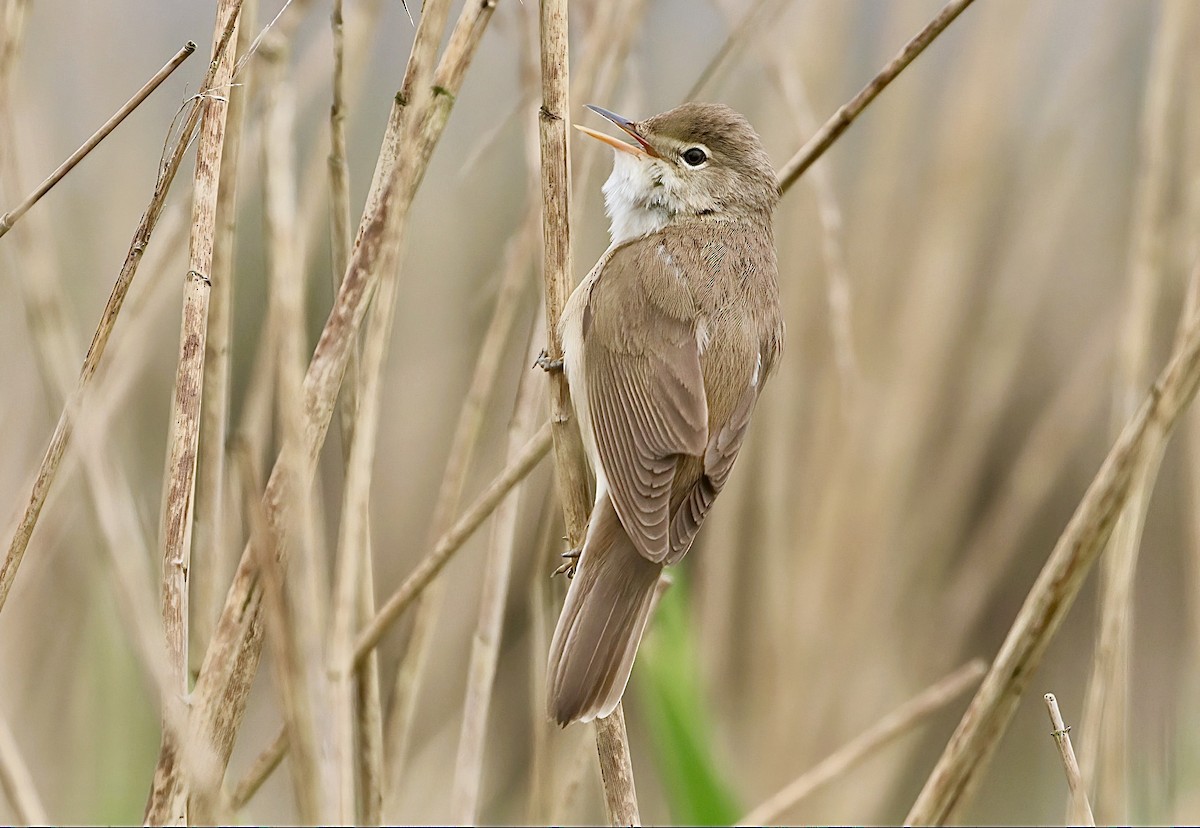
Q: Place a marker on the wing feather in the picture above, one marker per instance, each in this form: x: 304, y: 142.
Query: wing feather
x: 645, y: 390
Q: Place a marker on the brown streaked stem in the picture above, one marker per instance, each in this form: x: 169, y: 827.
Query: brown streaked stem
x: 184, y: 434
x: 63, y: 430
x: 612, y: 742
x: 222, y: 689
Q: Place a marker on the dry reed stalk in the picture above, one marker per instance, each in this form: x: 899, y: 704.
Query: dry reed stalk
x: 1106, y: 717
x: 184, y: 434
x: 474, y: 515
x: 404, y: 692
x: 485, y: 644
x: 848, y: 112
x: 261, y: 768
x: 541, y: 764
x: 761, y: 15
x: 458, y: 462
x: 352, y: 566
x: 7, y: 220
x: 829, y: 212
x: 607, y: 44
x: 895, y: 724
x: 17, y: 782
x: 1081, y: 810
x: 66, y: 421
x: 11, y: 39
x: 360, y: 771
x: 298, y: 611
x: 966, y: 755
x: 112, y: 498
x: 213, y: 542
x: 570, y: 468
x: 290, y: 666
x: 232, y: 657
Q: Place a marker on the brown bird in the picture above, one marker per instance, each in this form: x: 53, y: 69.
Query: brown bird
x: 666, y: 346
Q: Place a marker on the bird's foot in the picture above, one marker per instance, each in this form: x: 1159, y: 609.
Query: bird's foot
x: 547, y: 364
x: 568, y: 568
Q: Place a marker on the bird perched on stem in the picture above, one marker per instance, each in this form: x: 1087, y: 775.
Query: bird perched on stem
x: 666, y: 346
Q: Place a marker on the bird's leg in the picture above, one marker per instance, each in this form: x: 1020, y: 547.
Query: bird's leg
x: 568, y: 568
x: 547, y: 364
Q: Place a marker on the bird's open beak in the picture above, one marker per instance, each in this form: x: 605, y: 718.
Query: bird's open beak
x: 642, y: 150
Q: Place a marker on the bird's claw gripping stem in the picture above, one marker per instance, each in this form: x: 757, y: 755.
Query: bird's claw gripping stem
x: 568, y: 568
x: 547, y: 364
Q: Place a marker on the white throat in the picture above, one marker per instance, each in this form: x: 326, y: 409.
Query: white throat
x: 635, y: 199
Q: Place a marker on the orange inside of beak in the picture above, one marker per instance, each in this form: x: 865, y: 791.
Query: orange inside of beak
x: 615, y: 143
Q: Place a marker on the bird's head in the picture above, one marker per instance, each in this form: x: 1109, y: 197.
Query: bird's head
x: 696, y: 161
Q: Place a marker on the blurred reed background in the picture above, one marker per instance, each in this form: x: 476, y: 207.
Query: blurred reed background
x: 978, y: 278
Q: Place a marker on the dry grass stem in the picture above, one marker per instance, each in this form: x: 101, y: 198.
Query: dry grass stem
x: 616, y: 769
x: 184, y: 434
x: 66, y: 421
x: 895, y: 724
x: 485, y: 645
x: 260, y: 769
x: 838, y: 293
x: 762, y: 14
x: 1142, y: 439
x: 352, y: 563
x: 17, y: 781
x: 1081, y: 809
x: 212, y: 542
x: 844, y: 117
x: 521, y: 465
x: 12, y: 216
x: 1106, y: 718
x: 569, y: 464
x: 232, y: 657
x: 290, y: 668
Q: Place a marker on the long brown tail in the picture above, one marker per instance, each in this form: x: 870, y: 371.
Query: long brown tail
x: 601, y: 624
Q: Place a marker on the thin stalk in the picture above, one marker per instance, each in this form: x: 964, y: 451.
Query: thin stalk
x: 1106, y: 717
x: 485, y: 646
x: 223, y: 685
x: 848, y: 112
x: 63, y: 430
x: 895, y: 724
x: 1081, y: 809
x: 353, y: 540
x: 261, y: 768
x: 964, y: 759
x: 521, y: 465
x: 12, y: 216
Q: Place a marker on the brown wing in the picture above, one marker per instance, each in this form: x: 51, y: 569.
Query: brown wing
x: 718, y: 461
x: 645, y: 387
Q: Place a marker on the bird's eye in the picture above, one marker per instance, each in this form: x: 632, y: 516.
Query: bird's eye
x: 694, y: 156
